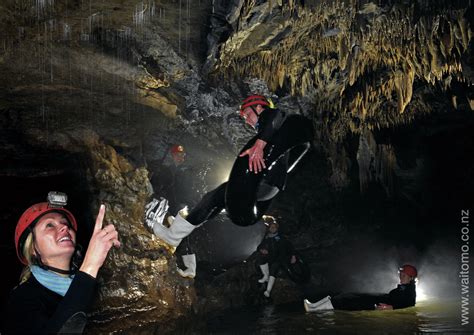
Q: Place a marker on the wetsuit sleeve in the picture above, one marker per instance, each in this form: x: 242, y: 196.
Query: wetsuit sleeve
x: 402, y: 298
x: 269, y: 122
x: 30, y: 312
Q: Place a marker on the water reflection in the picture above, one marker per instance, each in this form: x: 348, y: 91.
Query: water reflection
x: 440, y: 316
x: 426, y: 317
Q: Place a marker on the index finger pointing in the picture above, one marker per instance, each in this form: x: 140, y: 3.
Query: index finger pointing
x: 99, y: 219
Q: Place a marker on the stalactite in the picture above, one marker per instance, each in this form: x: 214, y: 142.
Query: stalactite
x: 464, y: 32
x: 404, y: 86
x: 343, y: 52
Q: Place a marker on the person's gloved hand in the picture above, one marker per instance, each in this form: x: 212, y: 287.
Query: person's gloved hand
x: 255, y: 153
x: 101, y: 241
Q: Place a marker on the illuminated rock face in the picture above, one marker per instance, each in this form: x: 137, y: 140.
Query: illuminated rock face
x: 356, y: 58
x: 117, y: 83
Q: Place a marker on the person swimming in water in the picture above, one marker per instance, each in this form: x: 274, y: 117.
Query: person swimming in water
x: 403, y: 296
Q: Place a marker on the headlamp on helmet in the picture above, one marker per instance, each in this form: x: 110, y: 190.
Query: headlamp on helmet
x: 409, y: 270
x: 269, y: 220
x: 57, y: 199
x: 177, y: 148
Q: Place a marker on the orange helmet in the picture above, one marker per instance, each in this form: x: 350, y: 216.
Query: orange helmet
x: 30, y: 217
x: 409, y: 270
x: 254, y: 100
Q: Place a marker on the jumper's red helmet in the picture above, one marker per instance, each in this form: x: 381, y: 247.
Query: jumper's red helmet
x: 29, y: 217
x: 254, y: 100
x: 409, y: 270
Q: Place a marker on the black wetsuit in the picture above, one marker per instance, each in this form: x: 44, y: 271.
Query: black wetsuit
x: 269, y: 121
x: 279, y: 254
x: 401, y: 297
x: 34, y: 309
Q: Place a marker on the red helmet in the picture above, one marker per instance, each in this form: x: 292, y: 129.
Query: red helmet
x: 409, y: 270
x: 254, y: 100
x: 175, y: 149
x: 29, y: 217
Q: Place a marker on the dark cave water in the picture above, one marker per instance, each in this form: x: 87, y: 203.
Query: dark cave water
x: 432, y: 316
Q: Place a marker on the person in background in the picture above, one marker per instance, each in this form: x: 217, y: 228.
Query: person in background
x: 403, y: 296
x: 168, y: 173
x: 178, y: 156
x: 56, y: 287
x: 274, y: 253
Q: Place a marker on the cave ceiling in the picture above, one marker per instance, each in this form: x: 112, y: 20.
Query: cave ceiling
x: 366, y: 64
x: 359, y: 64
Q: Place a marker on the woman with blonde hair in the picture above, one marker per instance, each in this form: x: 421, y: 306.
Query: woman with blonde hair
x: 56, y: 288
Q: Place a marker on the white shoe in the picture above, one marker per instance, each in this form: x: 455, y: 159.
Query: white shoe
x: 190, y: 264
x: 271, y: 281
x: 155, y: 211
x: 321, y: 305
x: 179, y: 229
x: 266, y: 272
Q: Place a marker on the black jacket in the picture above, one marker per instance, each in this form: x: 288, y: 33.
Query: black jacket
x: 34, y: 309
x: 279, y: 248
x: 403, y: 296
